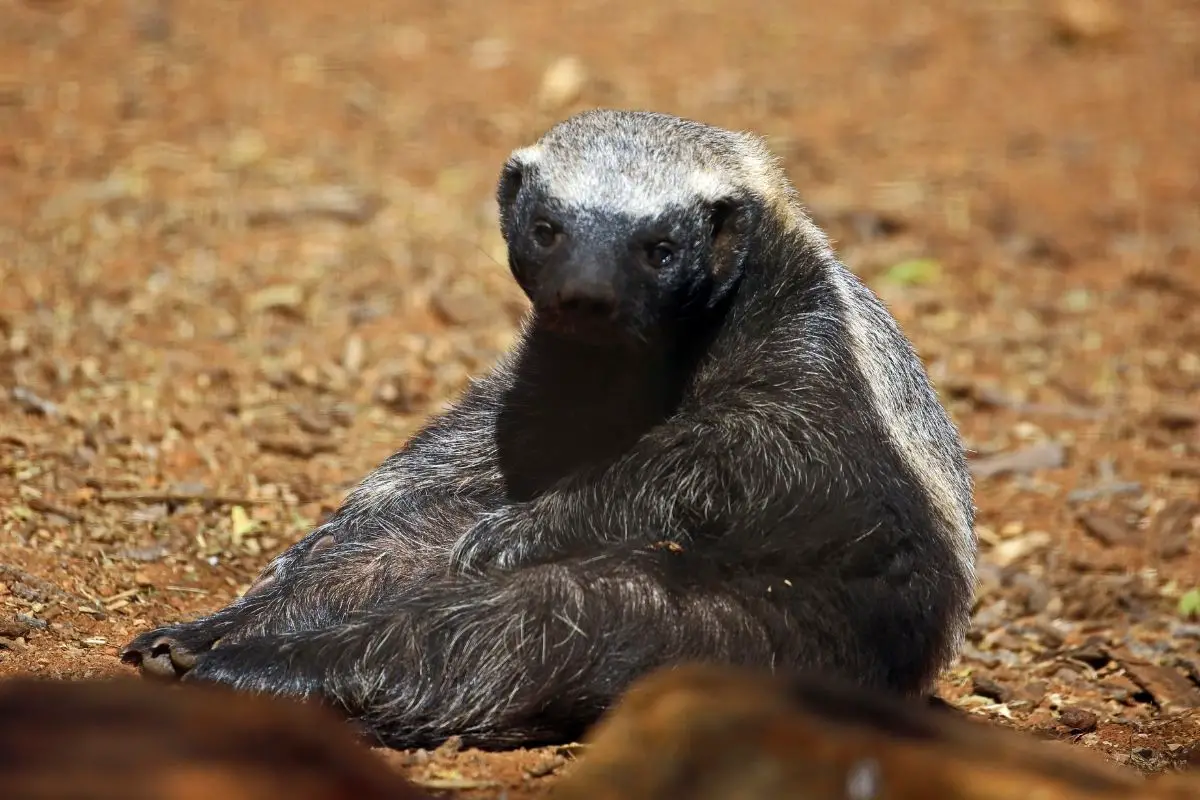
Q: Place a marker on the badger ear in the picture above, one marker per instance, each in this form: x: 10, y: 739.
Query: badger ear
x: 732, y: 221
x: 511, y: 178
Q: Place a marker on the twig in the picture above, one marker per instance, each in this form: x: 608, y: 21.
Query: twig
x: 28, y: 401
x: 342, y: 203
x: 44, y: 507
x: 453, y: 783
x: 188, y: 589
x: 121, y: 595
x: 39, y: 586
x: 1104, y: 490
x: 986, y: 396
x: 14, y: 439
x: 176, y: 498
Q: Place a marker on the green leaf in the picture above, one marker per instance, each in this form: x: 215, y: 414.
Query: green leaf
x: 1189, y: 604
x: 914, y: 272
x: 242, y: 524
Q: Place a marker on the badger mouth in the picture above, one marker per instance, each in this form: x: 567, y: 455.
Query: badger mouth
x: 591, y: 327
x: 584, y: 325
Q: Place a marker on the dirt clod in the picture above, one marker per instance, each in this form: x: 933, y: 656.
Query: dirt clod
x: 1087, y: 20
x: 14, y: 628
x: 1105, y: 529
x: 1078, y: 720
x: 1169, y: 687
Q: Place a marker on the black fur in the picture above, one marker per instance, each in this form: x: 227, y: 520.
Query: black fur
x: 694, y: 474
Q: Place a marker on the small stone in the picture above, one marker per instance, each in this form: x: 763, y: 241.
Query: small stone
x: 152, y: 553
x: 296, y: 446
x: 27, y: 400
x: 546, y: 767
x: 284, y: 296
x: 1030, y: 594
x: 1119, y: 688
x: 1045, y: 455
x: 989, y: 579
x: 192, y: 421
x: 37, y: 623
x: 1078, y: 720
x: 152, y: 20
x: 489, y: 54
x: 1107, y: 530
x: 1032, y: 693
x: 1011, y: 551
x: 1087, y: 20
x: 1172, y: 528
x: 465, y: 308
x: 409, y: 42
x: 303, y: 68
x: 1169, y: 688
x: 1177, y: 416
x: 562, y: 83
x: 313, y: 422
x: 990, y: 616
x: 354, y: 355
x: 402, y: 394
x: 13, y: 628
x: 986, y: 687
x: 1093, y: 652
x: 247, y: 147
x: 449, y: 748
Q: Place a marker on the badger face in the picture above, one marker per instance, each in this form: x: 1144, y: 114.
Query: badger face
x: 619, y: 228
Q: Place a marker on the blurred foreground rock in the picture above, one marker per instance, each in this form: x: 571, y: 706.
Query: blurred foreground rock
x: 695, y: 732
x: 136, y: 740
x: 712, y: 733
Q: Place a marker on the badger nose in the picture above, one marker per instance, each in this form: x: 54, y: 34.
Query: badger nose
x: 593, y: 298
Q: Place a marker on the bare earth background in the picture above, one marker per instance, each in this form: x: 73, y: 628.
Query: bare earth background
x: 245, y: 248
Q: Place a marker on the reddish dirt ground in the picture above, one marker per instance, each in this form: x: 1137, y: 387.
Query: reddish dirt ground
x: 245, y: 249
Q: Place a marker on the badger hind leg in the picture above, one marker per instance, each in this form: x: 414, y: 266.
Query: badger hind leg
x: 315, y: 583
x: 534, y: 655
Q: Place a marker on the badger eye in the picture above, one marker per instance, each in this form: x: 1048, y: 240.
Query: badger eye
x: 660, y: 254
x: 544, y: 234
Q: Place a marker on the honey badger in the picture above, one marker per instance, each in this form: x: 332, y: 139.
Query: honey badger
x: 711, y: 443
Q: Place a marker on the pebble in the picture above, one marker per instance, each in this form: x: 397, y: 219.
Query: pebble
x: 1045, y: 455
x: 30, y: 402
x: 1078, y: 720
x: 1013, y: 550
x: 13, y: 628
x: 1087, y: 20
x: 562, y: 83
x: 465, y: 307
x: 489, y: 54
x: 1107, y: 530
x: 247, y: 147
x: 1178, y: 416
x: 32, y: 622
x: 409, y: 42
x: 986, y: 687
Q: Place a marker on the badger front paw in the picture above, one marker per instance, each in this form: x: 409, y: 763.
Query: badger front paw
x: 169, y: 652
x: 499, y: 540
x: 274, y: 602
